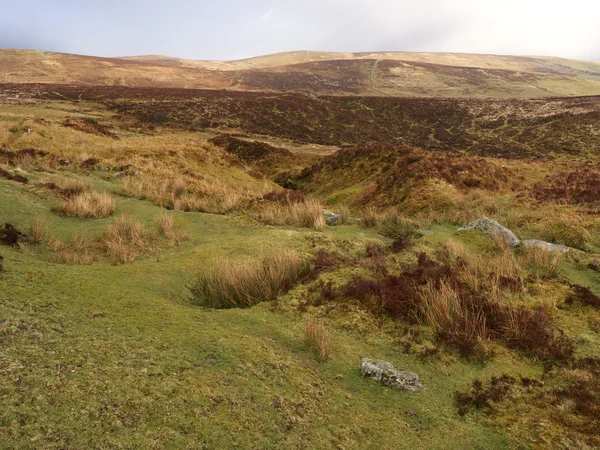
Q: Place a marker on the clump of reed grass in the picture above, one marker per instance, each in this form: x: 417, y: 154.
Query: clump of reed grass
x: 305, y: 214
x: 39, y: 231
x: 166, y: 228
x: 244, y: 283
x: 126, y: 239
x: 87, y: 205
x: 318, y: 337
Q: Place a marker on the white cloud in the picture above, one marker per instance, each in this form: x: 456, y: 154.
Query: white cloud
x: 266, y: 17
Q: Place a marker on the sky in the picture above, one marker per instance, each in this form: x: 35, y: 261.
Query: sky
x: 235, y: 29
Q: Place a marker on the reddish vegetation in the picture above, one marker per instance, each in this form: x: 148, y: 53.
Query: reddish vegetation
x: 480, y: 317
x: 89, y: 126
x: 13, y: 157
x: 583, y: 295
x: 575, y: 402
x: 508, y: 128
x: 247, y: 151
x: 581, y: 185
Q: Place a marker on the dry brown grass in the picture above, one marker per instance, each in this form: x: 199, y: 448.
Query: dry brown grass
x: 318, y: 337
x: 69, y: 187
x: 166, y: 228
x: 185, y: 195
x: 39, y: 231
x: 444, y: 312
x: 87, y: 205
x: 244, y: 283
x: 126, y: 239
x: 305, y: 214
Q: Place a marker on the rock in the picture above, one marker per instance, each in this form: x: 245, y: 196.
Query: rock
x: 389, y: 375
x: 2, y: 320
x: 331, y: 218
x: 493, y: 228
x: 425, y: 232
x: 594, y: 265
x: 545, y: 246
x: 138, y: 172
x: 118, y: 175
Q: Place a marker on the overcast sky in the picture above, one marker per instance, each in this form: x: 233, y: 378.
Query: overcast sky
x: 232, y: 29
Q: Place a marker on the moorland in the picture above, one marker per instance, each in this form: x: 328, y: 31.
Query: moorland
x: 189, y: 260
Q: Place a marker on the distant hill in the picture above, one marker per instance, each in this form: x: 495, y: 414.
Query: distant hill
x: 397, y: 74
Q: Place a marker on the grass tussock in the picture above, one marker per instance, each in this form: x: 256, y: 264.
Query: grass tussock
x: 91, y: 205
x: 126, y: 239
x: 303, y: 213
x: 39, y: 231
x: 318, y: 337
x: 67, y: 186
x: 166, y: 228
x: 244, y: 283
x: 185, y: 195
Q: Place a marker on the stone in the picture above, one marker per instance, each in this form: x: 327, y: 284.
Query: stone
x: 389, y: 375
x: 331, y: 218
x: 2, y: 320
x: 493, y: 228
x: 118, y: 175
x: 546, y: 246
x: 425, y: 232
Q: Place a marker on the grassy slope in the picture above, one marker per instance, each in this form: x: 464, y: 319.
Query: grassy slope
x: 412, y: 74
x: 115, y: 356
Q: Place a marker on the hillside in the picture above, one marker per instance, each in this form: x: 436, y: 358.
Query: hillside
x: 319, y: 73
x: 513, y: 128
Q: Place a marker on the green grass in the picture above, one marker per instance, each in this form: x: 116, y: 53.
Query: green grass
x: 109, y: 356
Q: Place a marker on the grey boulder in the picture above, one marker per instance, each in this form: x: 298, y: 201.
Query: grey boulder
x: 493, y: 228
x: 389, y: 375
x: 546, y: 246
x: 331, y: 218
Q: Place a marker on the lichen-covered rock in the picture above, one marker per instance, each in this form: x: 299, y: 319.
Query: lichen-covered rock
x: 389, y: 375
x: 546, y: 246
x: 493, y: 228
x: 331, y: 218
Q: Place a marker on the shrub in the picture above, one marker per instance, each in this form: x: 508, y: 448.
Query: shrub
x: 88, y: 205
x: 318, y: 337
x: 245, y: 283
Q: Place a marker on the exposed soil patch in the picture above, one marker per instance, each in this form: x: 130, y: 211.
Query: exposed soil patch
x: 9, y: 235
x: 89, y: 126
x: 9, y: 176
